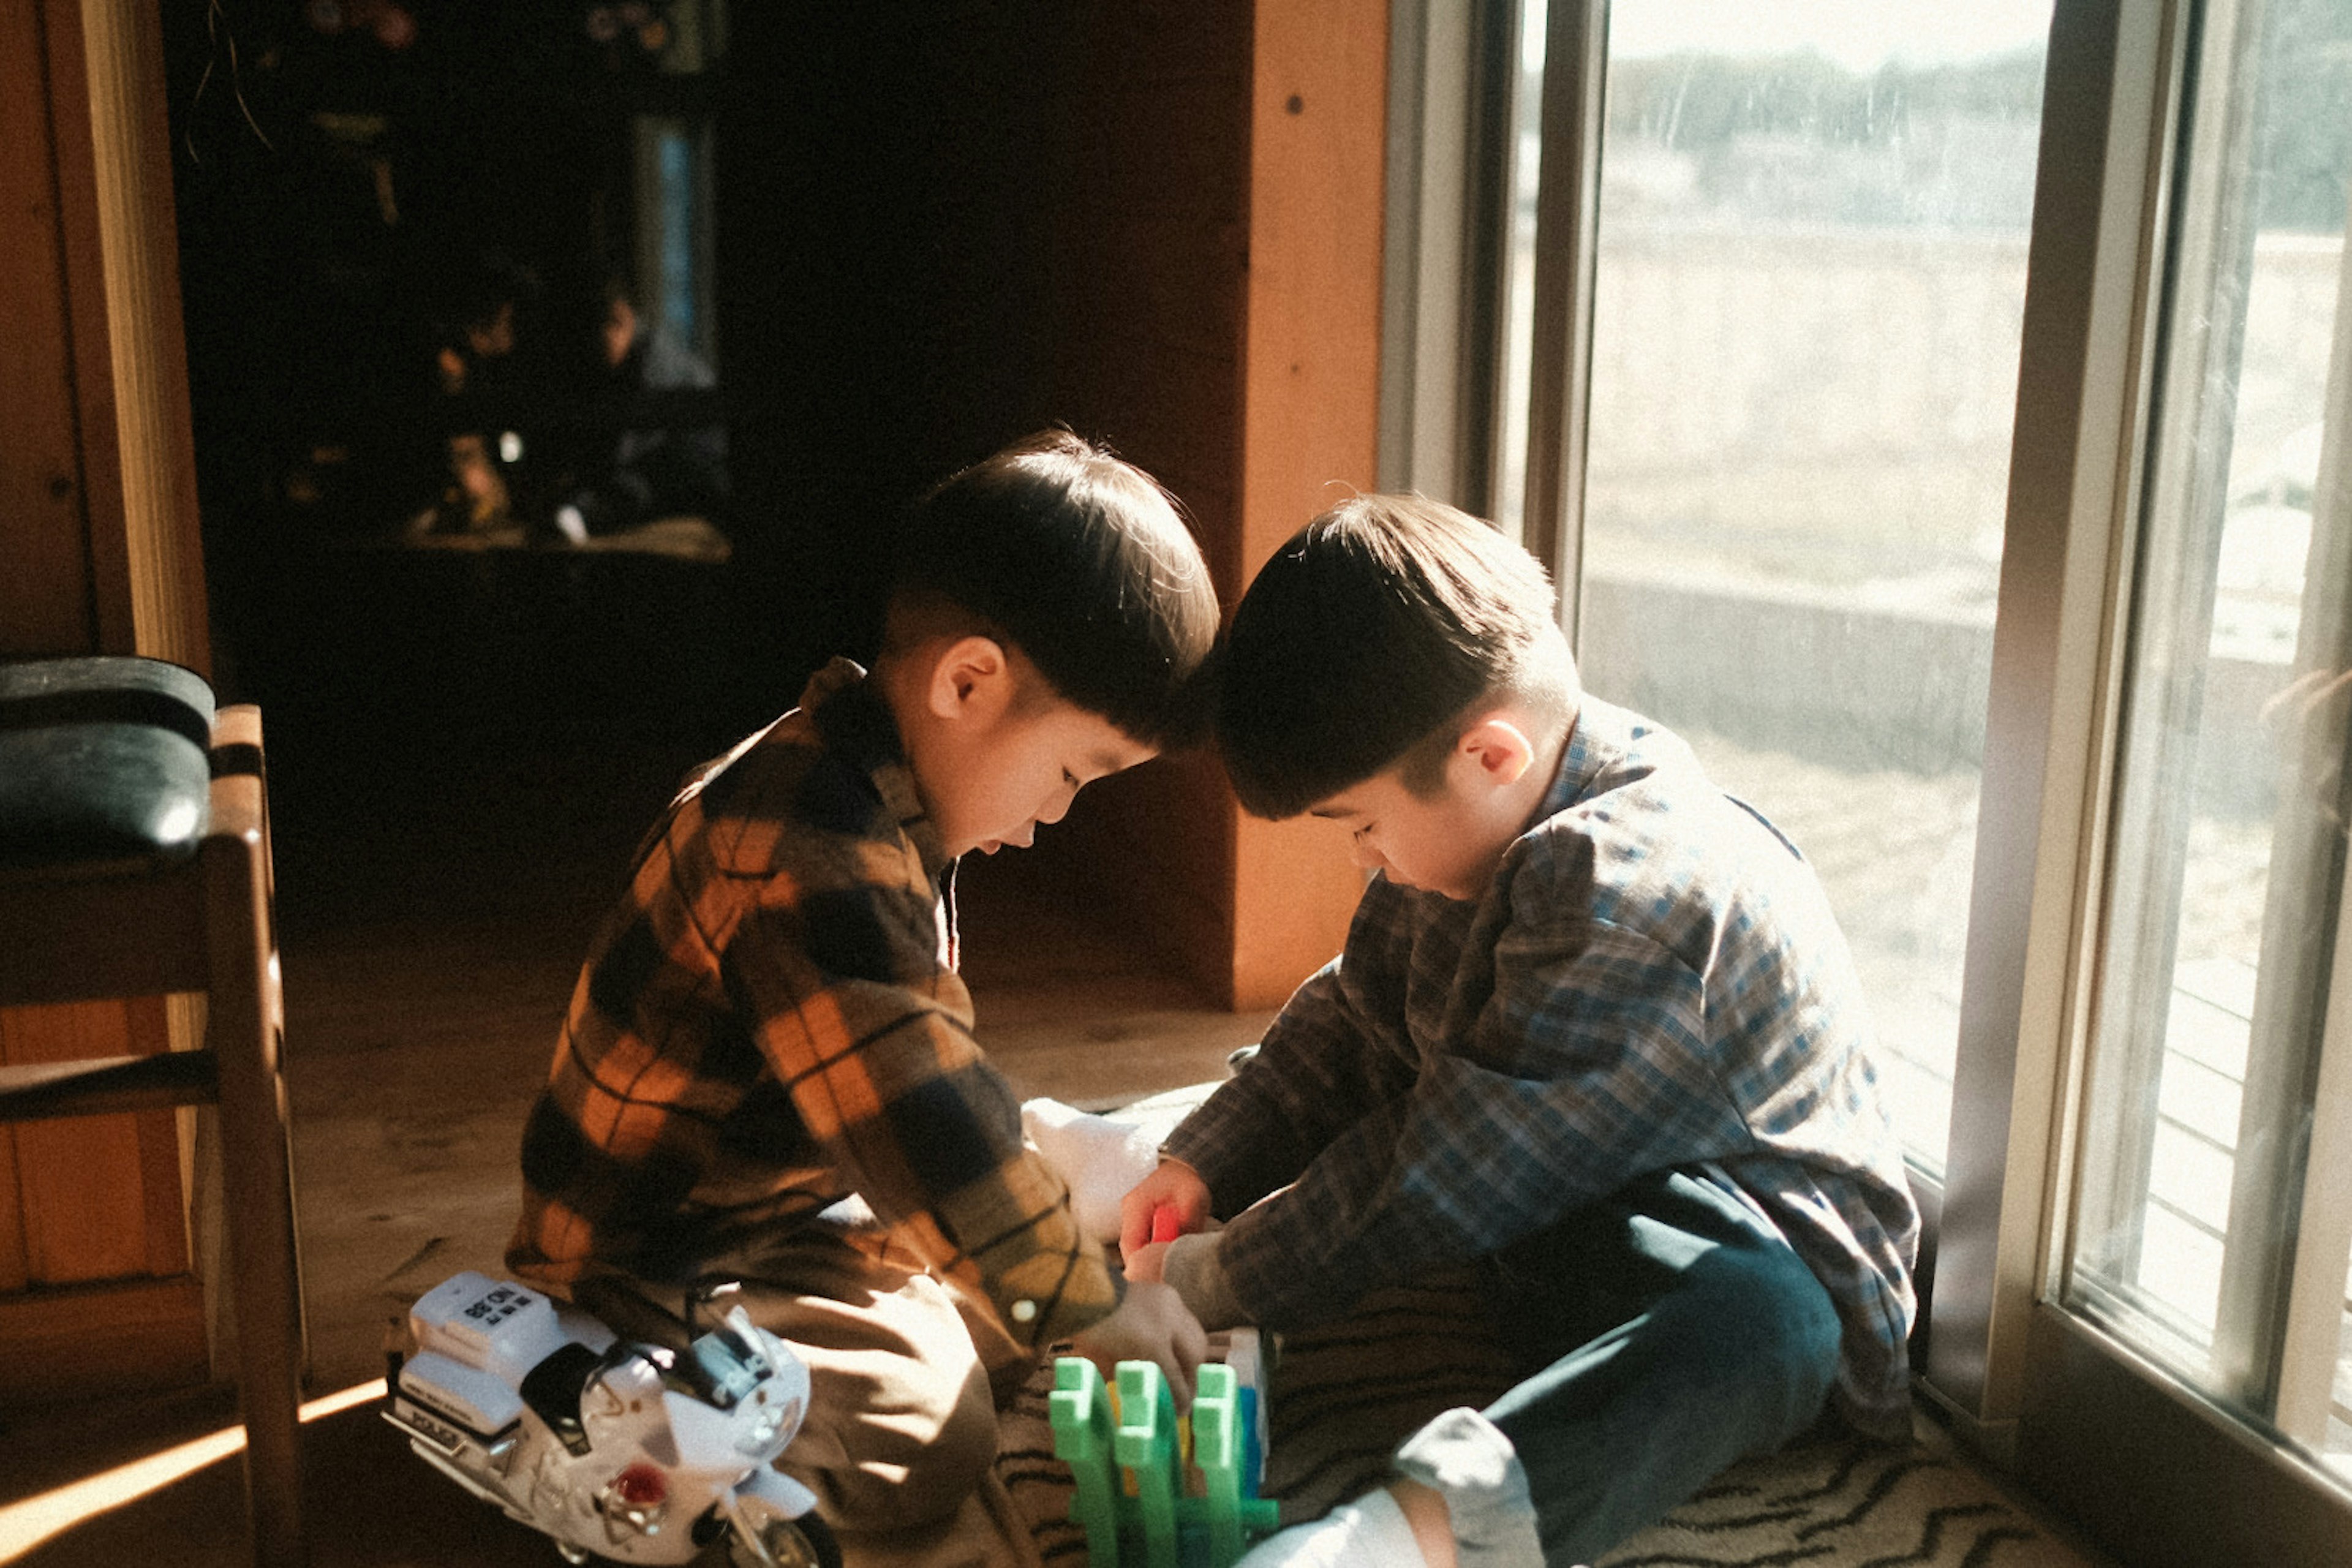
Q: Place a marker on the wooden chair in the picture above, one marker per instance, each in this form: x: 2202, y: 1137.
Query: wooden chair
x: 134, y: 861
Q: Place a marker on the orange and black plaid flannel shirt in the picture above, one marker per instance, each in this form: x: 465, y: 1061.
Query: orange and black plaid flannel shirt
x: 771, y: 1020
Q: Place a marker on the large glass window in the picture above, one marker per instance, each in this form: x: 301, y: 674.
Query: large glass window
x: 2215, y: 1206
x: 1808, y: 295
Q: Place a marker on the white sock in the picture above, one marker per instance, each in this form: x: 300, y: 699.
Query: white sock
x: 1100, y: 1158
x: 1369, y: 1532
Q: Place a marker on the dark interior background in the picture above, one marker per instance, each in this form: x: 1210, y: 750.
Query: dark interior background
x: 936, y: 227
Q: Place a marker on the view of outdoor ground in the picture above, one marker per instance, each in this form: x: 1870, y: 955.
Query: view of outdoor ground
x: 1809, y: 291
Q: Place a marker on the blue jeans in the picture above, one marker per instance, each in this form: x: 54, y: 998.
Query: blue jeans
x: 1670, y: 1331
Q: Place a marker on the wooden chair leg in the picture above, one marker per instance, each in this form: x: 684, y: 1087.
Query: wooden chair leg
x: 257, y: 1191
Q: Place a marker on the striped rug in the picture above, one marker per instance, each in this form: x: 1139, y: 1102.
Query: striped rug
x: 1849, y: 1504
x: 1343, y: 1397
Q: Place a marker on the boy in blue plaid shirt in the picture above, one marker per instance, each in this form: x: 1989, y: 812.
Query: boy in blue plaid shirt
x: 1594, y: 1031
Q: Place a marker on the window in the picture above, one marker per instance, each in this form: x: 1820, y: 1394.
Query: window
x: 1809, y: 276
x: 2214, y: 1222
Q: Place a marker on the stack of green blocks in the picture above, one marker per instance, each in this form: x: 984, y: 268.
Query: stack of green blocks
x: 1132, y: 1498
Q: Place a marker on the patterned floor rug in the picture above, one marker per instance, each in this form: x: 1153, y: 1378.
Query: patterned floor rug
x: 1842, y: 1503
x: 1851, y: 1505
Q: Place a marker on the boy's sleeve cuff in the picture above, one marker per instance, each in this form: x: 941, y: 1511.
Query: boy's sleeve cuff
x: 1193, y: 1269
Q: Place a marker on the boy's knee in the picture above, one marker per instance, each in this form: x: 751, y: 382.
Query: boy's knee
x: 902, y: 1423
x: 907, y: 1481
x: 893, y: 1475
x: 1772, y: 1325
x: 956, y: 1461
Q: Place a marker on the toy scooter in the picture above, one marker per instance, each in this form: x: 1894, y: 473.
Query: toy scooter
x: 621, y: 1431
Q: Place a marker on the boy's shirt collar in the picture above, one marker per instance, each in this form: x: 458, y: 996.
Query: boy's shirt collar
x: 857, y: 725
x: 1581, y: 758
x: 1601, y: 736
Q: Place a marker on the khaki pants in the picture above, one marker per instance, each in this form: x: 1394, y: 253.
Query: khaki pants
x: 901, y: 1438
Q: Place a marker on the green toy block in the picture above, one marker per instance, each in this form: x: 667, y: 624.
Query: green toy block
x: 1150, y: 1449
x: 1133, y: 1497
x: 1220, y: 1452
x: 1080, y: 1410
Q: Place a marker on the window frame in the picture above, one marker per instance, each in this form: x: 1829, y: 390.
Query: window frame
x: 1451, y: 94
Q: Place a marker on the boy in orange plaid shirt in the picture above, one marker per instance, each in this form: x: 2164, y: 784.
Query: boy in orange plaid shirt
x: 768, y: 1072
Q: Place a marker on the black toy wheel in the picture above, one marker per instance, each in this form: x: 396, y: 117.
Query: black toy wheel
x: 804, y: 1543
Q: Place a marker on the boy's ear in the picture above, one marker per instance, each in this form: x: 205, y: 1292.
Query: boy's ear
x: 972, y: 677
x: 1499, y: 749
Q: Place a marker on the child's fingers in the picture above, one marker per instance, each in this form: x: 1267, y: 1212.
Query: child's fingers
x: 1134, y: 1229
x: 1186, y: 1351
x: 1134, y: 1221
x: 1188, y: 1347
x: 1191, y: 1346
x: 1140, y: 1211
x: 1161, y: 1207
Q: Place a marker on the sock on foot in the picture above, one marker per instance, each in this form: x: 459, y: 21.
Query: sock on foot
x: 1369, y: 1532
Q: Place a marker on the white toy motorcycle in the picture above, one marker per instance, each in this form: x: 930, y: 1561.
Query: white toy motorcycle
x: 650, y: 1445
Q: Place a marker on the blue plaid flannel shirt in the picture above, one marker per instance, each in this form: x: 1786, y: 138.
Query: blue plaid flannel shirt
x: 1653, y: 980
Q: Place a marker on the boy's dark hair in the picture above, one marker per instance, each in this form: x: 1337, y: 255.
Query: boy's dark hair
x: 1371, y: 633
x: 1081, y: 561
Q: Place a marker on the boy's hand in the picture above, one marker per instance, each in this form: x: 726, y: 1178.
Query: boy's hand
x: 1153, y: 1324
x: 1165, y: 1204
x: 1192, y: 1266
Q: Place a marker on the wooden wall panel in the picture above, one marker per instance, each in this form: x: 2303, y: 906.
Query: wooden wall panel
x: 1310, y: 434
x: 15, y: 1270
x: 94, y: 1341
x: 44, y: 583
x: 83, y: 1181
x: 1221, y: 324
x: 139, y: 466
x: 99, y: 552
x: 98, y: 528
x: 939, y: 230
x: 1151, y: 284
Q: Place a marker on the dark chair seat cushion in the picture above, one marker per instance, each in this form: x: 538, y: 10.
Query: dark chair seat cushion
x: 103, y: 764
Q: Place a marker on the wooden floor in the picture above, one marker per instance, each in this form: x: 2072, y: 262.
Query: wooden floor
x: 440, y: 871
